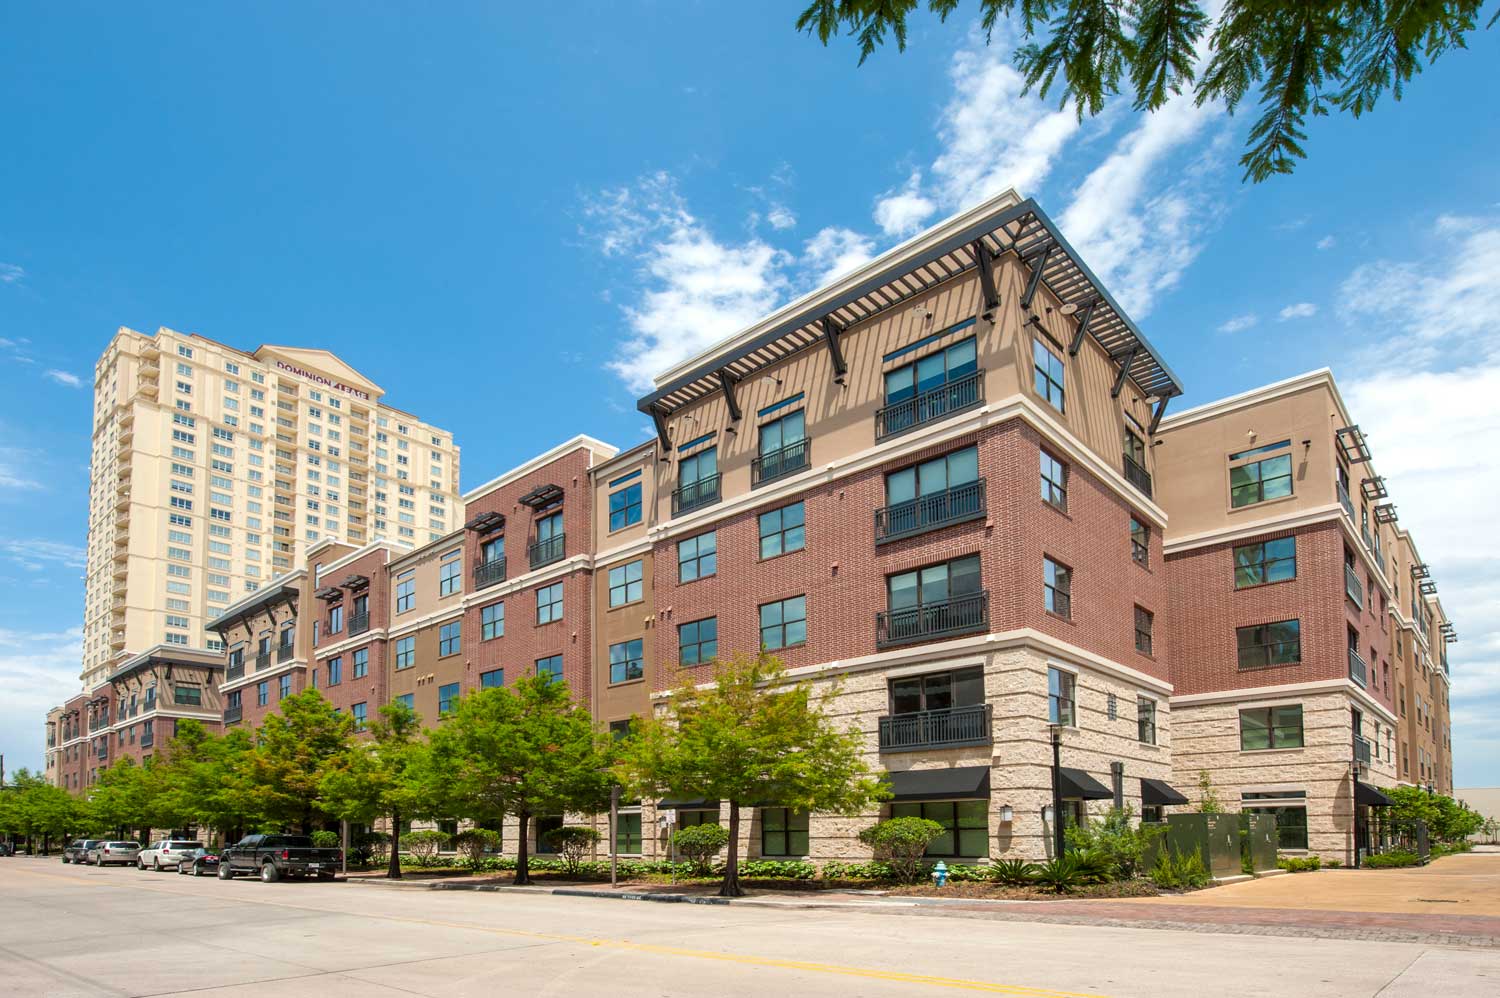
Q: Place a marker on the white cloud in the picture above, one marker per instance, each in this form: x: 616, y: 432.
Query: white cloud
x: 1326, y: 243
x: 835, y: 251
x: 11, y: 274
x: 38, y: 671
x: 781, y: 217
x: 65, y: 378
x: 1239, y: 323
x: 35, y: 554
x: 1300, y: 310
x: 902, y: 211
x: 11, y: 475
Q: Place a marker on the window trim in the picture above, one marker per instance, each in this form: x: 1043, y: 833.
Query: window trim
x: 1040, y: 342
x: 1051, y: 486
x: 780, y: 532
x: 626, y: 661
x: 1149, y: 632
x: 1263, y: 563
x: 698, y: 558
x: 698, y: 644
x: 626, y: 582
x: 788, y: 828
x: 761, y: 627
x: 1052, y: 698
x: 1239, y: 649
x: 1067, y: 593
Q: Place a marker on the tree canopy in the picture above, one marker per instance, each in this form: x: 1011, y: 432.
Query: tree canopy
x: 1298, y: 59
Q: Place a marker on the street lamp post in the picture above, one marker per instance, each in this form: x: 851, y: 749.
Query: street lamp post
x: 1057, y: 819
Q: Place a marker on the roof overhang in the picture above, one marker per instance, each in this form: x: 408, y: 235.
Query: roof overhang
x: 943, y: 253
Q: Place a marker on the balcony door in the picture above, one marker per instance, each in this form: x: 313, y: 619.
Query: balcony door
x: 937, y: 691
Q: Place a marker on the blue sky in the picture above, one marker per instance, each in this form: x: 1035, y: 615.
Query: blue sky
x: 542, y: 212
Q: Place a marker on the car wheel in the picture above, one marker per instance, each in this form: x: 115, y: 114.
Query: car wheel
x: 225, y: 872
x: 269, y: 874
x: 156, y: 866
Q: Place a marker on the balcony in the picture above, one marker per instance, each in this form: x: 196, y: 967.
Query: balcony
x: 930, y: 406
x: 148, y: 736
x: 1344, y: 500
x: 262, y: 660
x: 1357, y: 668
x: 233, y: 671
x: 936, y: 729
x: 1361, y: 751
x: 233, y: 714
x: 285, y: 653
x: 966, y: 614
x: 359, y: 623
x: 930, y: 512
x: 488, y: 573
x: 546, y: 551
x: 1137, y: 475
x: 779, y: 463
x: 1364, y: 532
x: 696, y: 495
x: 1353, y: 588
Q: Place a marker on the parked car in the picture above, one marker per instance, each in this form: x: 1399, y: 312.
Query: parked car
x: 77, y: 851
x: 166, y: 854
x: 6, y: 849
x: 108, y: 852
x: 272, y: 857
x: 198, y: 862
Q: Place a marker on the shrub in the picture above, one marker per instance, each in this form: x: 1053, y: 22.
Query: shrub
x: 571, y: 842
x: 1396, y: 857
x: 1115, y: 845
x: 1191, y: 870
x: 1164, y: 872
x: 700, y: 844
x: 424, y: 845
x: 474, y: 843
x: 901, y: 842
x: 1299, y: 864
x: 773, y: 869
x: 964, y: 873
x: 372, y: 847
x: 1062, y: 873
x: 324, y: 839
x: 1333, y: 864
x: 857, y: 871
x: 1014, y: 872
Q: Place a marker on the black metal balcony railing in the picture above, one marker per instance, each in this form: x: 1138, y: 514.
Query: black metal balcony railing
x: 232, y: 714
x: 778, y: 463
x: 285, y: 653
x: 487, y: 573
x: 1352, y: 587
x: 934, y: 729
x: 964, y: 614
x: 1137, y: 475
x: 235, y: 670
x: 1364, y: 532
x: 695, y: 495
x: 262, y: 660
x: 546, y: 551
x: 1344, y: 500
x: 359, y: 623
x: 1356, y: 667
x: 929, y: 512
x: 148, y: 737
x: 1361, y: 751
x: 929, y: 406
x: 103, y: 750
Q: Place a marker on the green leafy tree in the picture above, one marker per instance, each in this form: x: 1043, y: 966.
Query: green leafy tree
x: 521, y: 750
x: 210, y: 779
x: 1115, y: 842
x: 571, y: 842
x: 1208, y: 797
x: 700, y: 844
x: 119, y: 800
x: 383, y: 778
x: 749, y: 737
x: 902, y: 842
x: 295, y: 748
x: 1303, y: 59
x: 39, y: 812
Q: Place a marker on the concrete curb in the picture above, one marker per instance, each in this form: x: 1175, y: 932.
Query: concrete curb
x: 655, y: 897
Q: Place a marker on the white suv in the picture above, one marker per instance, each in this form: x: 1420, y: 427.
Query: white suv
x: 166, y: 854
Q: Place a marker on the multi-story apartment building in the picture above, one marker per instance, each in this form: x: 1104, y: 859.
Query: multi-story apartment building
x: 215, y: 470
x: 1286, y: 570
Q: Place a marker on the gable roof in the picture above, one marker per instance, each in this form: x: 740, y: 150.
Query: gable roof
x: 321, y: 362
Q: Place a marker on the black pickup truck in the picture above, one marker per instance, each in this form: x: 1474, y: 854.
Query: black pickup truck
x: 272, y: 857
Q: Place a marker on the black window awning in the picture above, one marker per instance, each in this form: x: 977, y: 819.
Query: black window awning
x: 1159, y: 793
x: 1076, y: 784
x: 960, y: 783
x: 1370, y: 796
x: 687, y: 804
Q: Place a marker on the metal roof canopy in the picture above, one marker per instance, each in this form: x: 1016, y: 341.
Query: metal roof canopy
x: 1385, y: 513
x: 355, y: 582
x: 486, y: 522
x: 542, y: 496
x: 1024, y: 229
x: 1352, y: 444
x: 1373, y: 488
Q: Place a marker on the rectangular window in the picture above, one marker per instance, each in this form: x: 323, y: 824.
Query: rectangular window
x: 1143, y: 627
x: 698, y: 641
x: 1291, y: 824
x: 935, y: 586
x: 625, y: 506
x: 405, y: 700
x: 628, y: 834
x: 933, y: 478
x: 625, y: 584
x: 698, y: 557
x: 783, y: 832
x: 549, y: 603
x: 700, y: 467
x: 1054, y: 481
x: 1060, y: 697
x: 551, y: 667
x: 450, y: 573
x: 783, y: 624
x: 335, y: 619
x: 627, y: 661
x: 406, y: 652
x: 966, y: 826
x: 1047, y: 373
x: 447, y: 697
x: 1278, y: 727
x: 1057, y: 588
x: 491, y: 679
x: 450, y: 639
x: 263, y: 692
x: 492, y: 621
x: 782, y: 531
x: 358, y: 712
x: 335, y: 668
x: 1140, y: 542
x: 361, y: 659
x: 406, y: 591
x: 188, y: 696
x: 937, y: 691
x: 950, y: 364
x: 1257, y: 481
x: 1266, y: 561
x: 1260, y: 645
x: 1145, y: 720
x: 782, y: 447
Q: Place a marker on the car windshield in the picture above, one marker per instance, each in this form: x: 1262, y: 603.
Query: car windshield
x: 123, y: 845
x: 184, y: 845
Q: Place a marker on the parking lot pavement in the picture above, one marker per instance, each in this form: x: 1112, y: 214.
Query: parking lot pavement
x: 85, y: 931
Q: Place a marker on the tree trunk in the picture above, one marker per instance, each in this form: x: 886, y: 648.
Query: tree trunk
x: 393, y: 864
x: 523, y: 871
x: 731, y: 886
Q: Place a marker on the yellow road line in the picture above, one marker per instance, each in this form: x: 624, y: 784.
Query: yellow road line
x: 1021, y: 990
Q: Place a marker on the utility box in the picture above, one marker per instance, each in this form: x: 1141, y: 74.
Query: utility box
x: 1215, y: 837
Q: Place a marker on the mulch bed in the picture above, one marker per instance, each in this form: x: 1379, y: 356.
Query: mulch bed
x: 1000, y: 892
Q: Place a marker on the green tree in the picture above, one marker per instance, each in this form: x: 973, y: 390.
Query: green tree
x: 522, y: 750
x: 294, y: 749
x: 1304, y: 59
x: 1208, y: 797
x: 749, y: 737
x: 902, y: 842
x: 119, y: 800
x: 383, y: 778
